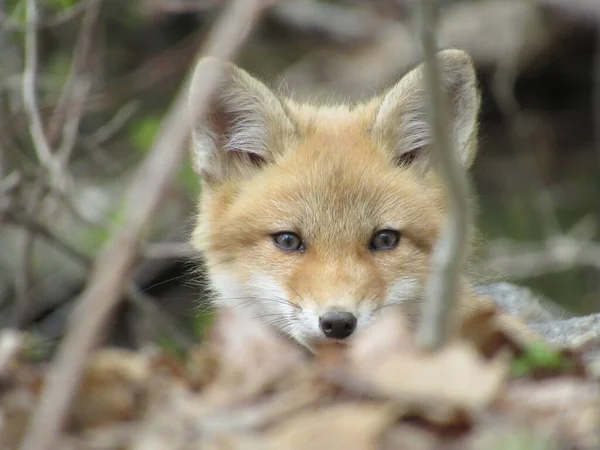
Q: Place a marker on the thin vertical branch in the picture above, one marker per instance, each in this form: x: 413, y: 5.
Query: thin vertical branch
x: 67, y: 114
x: 114, y: 266
x: 30, y: 105
x: 451, y: 249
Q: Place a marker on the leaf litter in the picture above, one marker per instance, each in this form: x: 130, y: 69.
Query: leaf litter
x: 246, y: 387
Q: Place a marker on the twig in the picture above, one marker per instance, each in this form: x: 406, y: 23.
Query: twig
x: 69, y: 108
x: 114, y: 266
x: 450, y: 251
x: 21, y: 218
x: 73, y: 118
x: 109, y: 129
x: 42, y: 147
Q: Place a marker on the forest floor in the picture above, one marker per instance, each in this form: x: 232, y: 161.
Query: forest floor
x: 246, y: 387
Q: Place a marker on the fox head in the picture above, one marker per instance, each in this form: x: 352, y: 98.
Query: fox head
x: 314, y: 219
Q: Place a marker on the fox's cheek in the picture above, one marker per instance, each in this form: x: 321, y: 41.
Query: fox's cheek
x: 406, y: 291
x: 231, y: 292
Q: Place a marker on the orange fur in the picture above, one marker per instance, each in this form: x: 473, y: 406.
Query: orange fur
x: 334, y: 175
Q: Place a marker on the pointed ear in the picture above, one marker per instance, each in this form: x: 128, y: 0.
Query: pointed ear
x: 401, y: 120
x: 245, y: 127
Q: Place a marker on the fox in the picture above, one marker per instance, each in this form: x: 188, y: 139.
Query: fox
x: 317, y: 218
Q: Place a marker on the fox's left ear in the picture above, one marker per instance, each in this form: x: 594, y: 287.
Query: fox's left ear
x: 401, y: 121
x: 245, y: 126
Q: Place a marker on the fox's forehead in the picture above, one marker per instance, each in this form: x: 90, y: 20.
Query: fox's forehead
x: 331, y: 127
x: 337, y: 187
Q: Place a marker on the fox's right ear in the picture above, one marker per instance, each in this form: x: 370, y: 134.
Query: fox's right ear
x: 402, y: 123
x: 245, y: 126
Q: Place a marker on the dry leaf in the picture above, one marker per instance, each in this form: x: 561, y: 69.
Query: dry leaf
x: 201, y: 366
x: 568, y: 406
x: 171, y: 419
x: 391, y: 334
x: 15, y: 408
x: 491, y: 330
x: 111, y: 388
x: 351, y: 426
x: 438, y: 385
x: 251, y: 358
x: 238, y: 442
x: 410, y: 437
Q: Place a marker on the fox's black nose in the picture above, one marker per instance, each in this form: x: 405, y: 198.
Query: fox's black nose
x: 337, y: 325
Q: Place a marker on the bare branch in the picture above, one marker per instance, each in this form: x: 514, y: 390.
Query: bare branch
x: 21, y: 218
x: 30, y: 105
x: 69, y: 109
x: 113, y: 126
x: 115, y: 264
x: 451, y: 249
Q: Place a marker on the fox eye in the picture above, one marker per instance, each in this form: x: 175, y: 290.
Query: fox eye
x: 288, y: 241
x: 384, y: 240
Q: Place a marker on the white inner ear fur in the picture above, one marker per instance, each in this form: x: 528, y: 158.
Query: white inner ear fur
x: 402, y: 116
x: 246, y: 119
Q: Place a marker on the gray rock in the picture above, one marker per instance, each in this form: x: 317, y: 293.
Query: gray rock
x: 523, y: 302
x: 571, y: 332
x: 553, y: 323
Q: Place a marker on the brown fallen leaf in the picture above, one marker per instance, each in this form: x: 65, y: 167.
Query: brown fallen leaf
x: 16, y: 405
x: 491, y: 330
x: 238, y: 442
x: 439, y: 386
x: 251, y: 358
x: 170, y: 421
x: 567, y: 407
x: 112, y: 388
x: 392, y: 334
x: 350, y: 426
x: 409, y: 436
x: 201, y: 366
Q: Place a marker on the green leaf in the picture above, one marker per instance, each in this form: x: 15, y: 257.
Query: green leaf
x: 188, y: 178
x: 143, y: 132
x: 540, y: 356
x: 201, y: 322
x: 170, y: 345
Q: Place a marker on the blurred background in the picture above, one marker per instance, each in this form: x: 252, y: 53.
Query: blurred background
x: 105, y: 72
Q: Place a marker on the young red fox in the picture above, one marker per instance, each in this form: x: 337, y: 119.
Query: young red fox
x: 314, y: 219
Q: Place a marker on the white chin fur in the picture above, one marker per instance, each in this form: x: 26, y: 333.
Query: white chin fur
x: 264, y: 298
